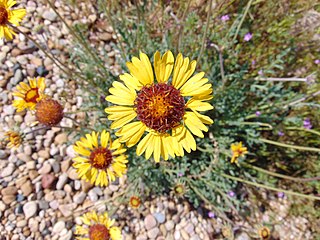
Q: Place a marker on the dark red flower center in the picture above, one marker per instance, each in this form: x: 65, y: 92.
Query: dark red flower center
x: 32, y: 95
x: 98, y: 232
x: 3, y: 15
x: 160, y: 106
x: 101, y: 158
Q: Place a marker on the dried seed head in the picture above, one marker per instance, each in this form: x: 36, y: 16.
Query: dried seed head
x: 49, y: 112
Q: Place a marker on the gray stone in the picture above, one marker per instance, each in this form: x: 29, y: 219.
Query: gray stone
x: 160, y: 217
x: 242, y: 236
x: 30, y: 209
x: 49, y: 15
x: 79, y: 197
x: 153, y: 233
x: 63, y: 178
x: 169, y: 225
x: 7, y: 171
x: 58, y: 227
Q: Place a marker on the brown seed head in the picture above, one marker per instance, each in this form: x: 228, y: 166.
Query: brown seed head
x: 3, y: 15
x: 49, y: 112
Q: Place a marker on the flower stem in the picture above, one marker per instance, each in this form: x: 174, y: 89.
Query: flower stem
x: 290, y: 146
x: 242, y: 19
x: 304, y: 129
x: 280, y: 175
x: 269, y: 187
x: 206, y: 31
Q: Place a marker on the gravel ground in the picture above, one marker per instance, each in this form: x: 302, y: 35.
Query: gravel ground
x: 41, y: 195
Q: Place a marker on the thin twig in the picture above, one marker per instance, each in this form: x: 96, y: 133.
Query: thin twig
x: 181, y: 26
x: 271, y: 79
x: 242, y: 19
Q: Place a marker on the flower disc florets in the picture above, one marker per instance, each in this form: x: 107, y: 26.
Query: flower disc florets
x: 3, y: 15
x: 160, y: 106
x: 49, y: 112
x: 101, y: 158
x: 98, y: 232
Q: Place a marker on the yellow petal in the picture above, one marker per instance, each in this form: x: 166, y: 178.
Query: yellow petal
x: 163, y: 66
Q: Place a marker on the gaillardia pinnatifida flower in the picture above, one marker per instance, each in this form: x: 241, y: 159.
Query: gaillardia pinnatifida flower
x: 237, y: 151
x: 264, y: 233
x: 29, y: 95
x: 14, y: 139
x: 97, y: 227
x: 135, y: 202
x: 49, y: 112
x: 8, y: 16
x: 99, y: 163
x: 166, y: 109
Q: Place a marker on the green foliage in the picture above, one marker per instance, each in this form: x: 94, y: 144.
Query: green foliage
x: 239, y: 93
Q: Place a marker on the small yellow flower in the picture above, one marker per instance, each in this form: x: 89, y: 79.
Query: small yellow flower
x: 30, y: 94
x: 135, y: 202
x: 14, y: 139
x: 49, y: 112
x: 99, y: 163
x: 179, y: 189
x: 8, y: 16
x: 158, y: 108
x: 264, y: 233
x: 237, y: 151
x: 97, y: 227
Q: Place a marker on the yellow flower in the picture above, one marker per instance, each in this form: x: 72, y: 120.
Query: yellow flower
x: 14, y: 139
x: 179, y: 189
x: 30, y: 94
x: 237, y: 151
x: 8, y: 16
x: 99, y: 163
x: 167, y: 110
x: 97, y: 227
x: 264, y: 233
x: 135, y: 202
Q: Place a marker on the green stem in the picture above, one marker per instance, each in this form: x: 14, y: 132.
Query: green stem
x: 304, y: 129
x: 289, y: 146
x: 269, y: 187
x: 242, y: 19
x: 182, y: 26
x: 205, y: 32
x: 280, y: 175
x: 257, y: 123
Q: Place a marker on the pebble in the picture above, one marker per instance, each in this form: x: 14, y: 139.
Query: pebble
x: 26, y: 188
x: 7, y: 171
x: 79, y: 197
x: 47, y: 181
x: 63, y: 178
x: 150, y: 222
x: 58, y: 227
x: 49, y: 15
x: 169, y: 225
x: 30, y: 209
x: 153, y: 233
x: 161, y: 218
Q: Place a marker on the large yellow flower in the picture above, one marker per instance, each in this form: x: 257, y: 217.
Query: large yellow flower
x: 167, y: 110
x: 99, y: 163
x: 8, y: 16
x: 30, y: 94
x: 97, y: 227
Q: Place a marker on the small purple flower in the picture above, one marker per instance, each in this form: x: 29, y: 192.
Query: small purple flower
x: 260, y: 72
x: 253, y: 62
x: 280, y: 194
x: 258, y: 113
x: 247, y: 37
x: 280, y: 133
x: 225, y: 18
x: 317, y: 61
x: 307, y: 123
x: 211, y: 215
x: 231, y: 194
x: 180, y: 174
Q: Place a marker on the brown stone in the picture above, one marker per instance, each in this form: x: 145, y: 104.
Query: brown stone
x: 47, y: 181
x: 27, y: 188
x: 11, y: 190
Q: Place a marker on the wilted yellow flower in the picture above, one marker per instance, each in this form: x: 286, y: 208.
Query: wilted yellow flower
x: 8, y: 16
x: 179, y: 189
x: 237, y: 151
x: 49, y: 112
x: 30, y: 94
x: 135, y: 202
x: 14, y: 139
x: 97, y: 227
x: 99, y: 163
x: 166, y: 110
